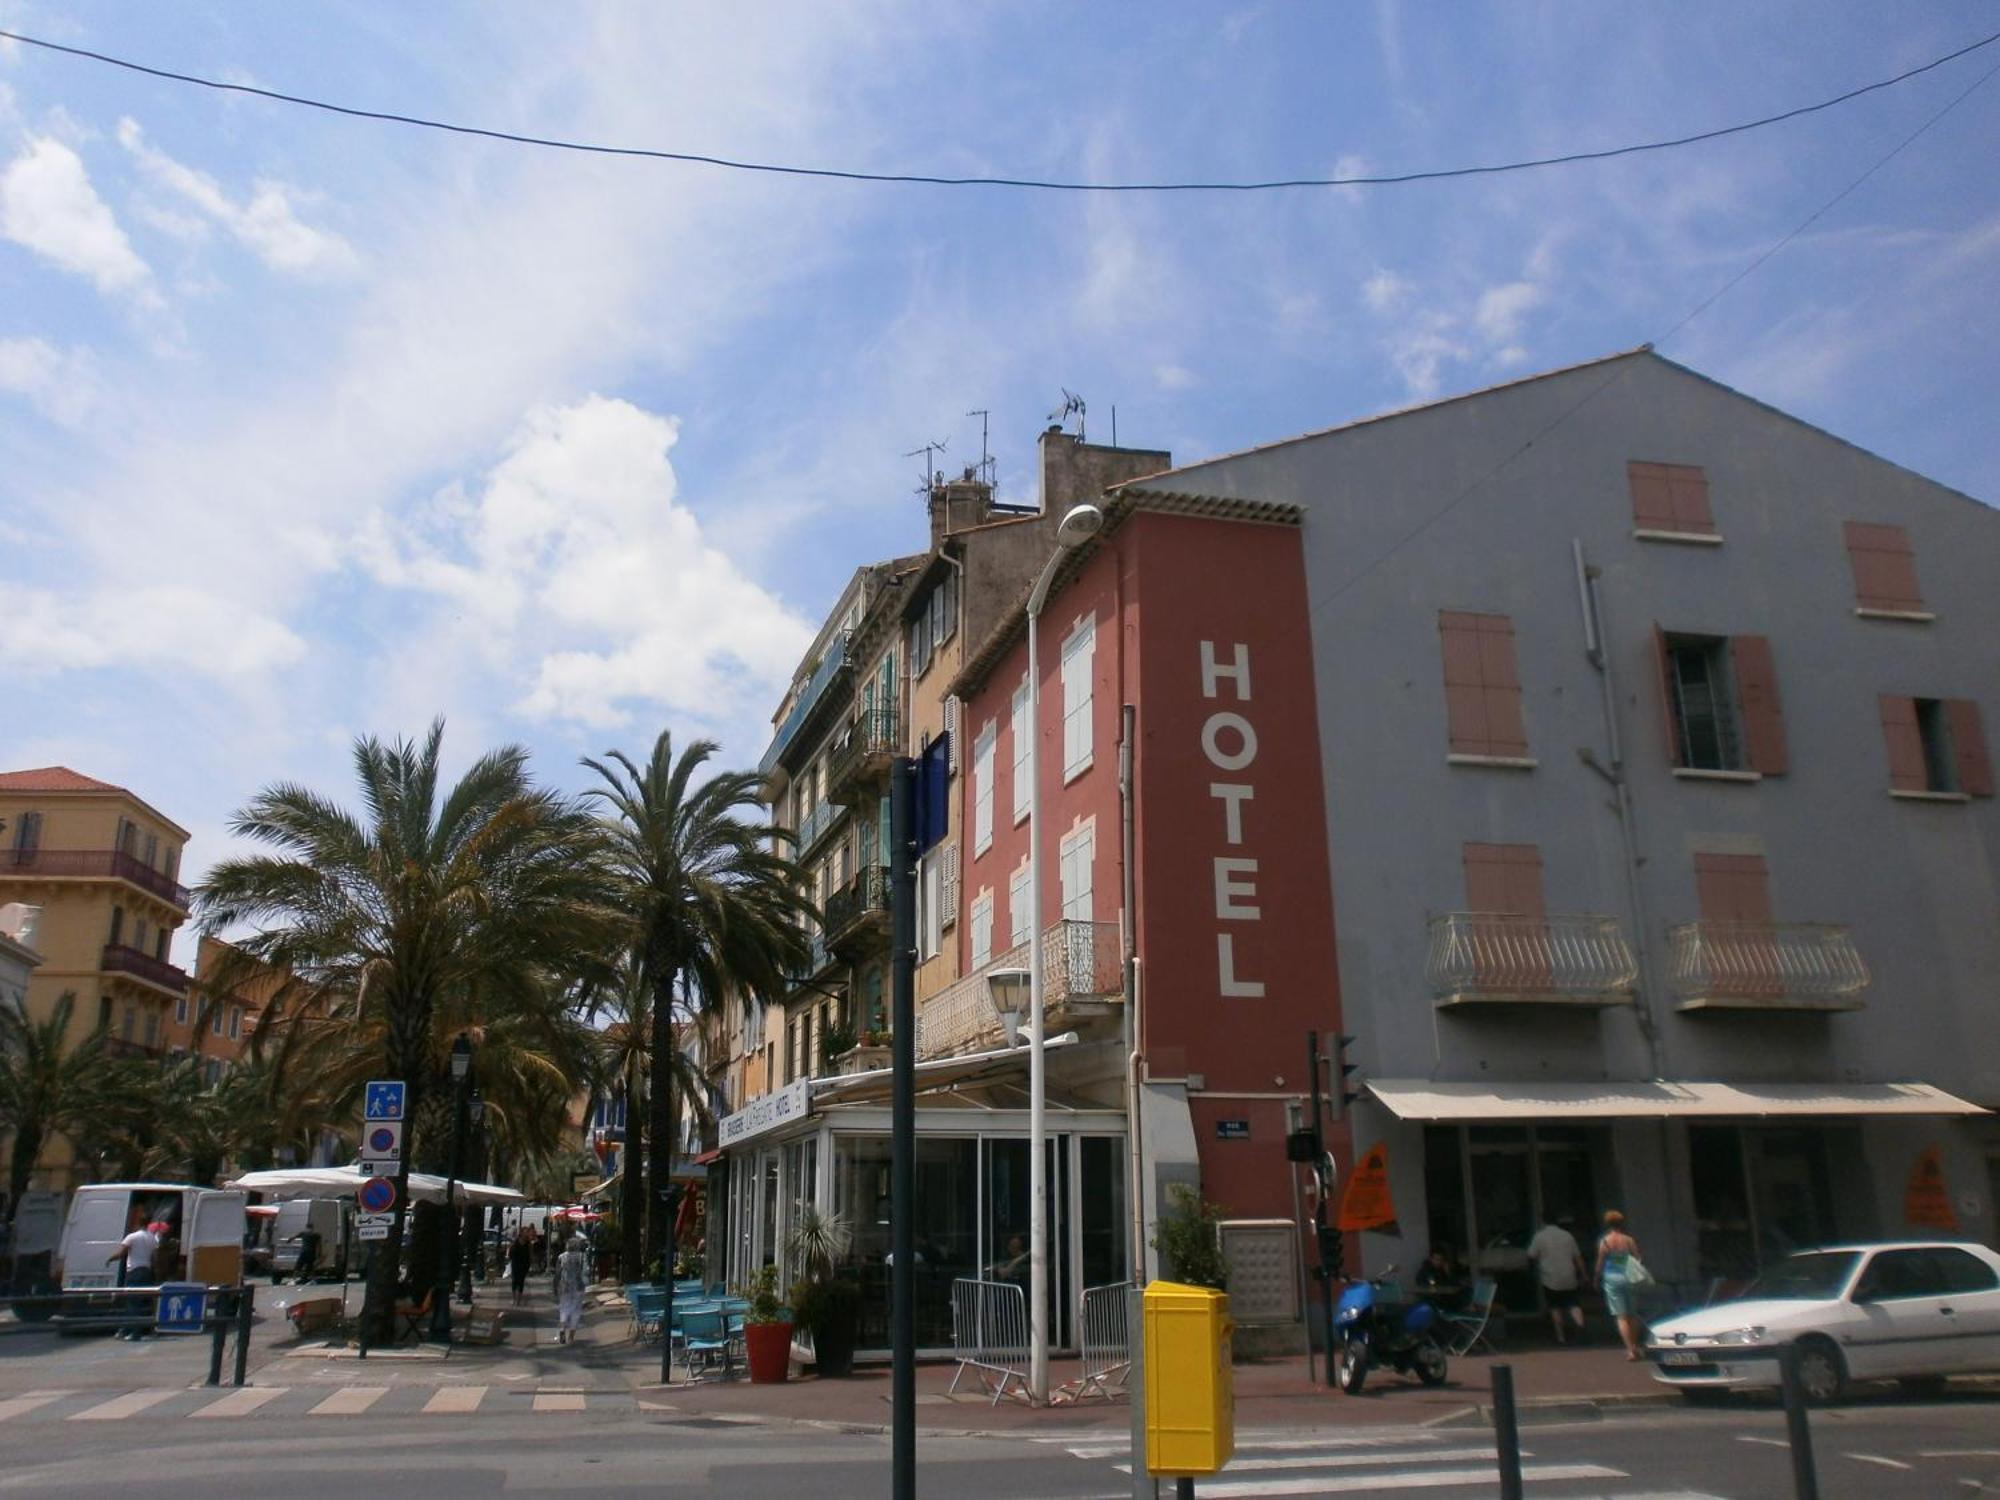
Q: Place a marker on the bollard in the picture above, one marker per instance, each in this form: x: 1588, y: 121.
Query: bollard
x: 1805, y: 1477
x: 1506, y: 1432
x: 246, y: 1298
x: 1184, y: 1487
x: 219, y: 1332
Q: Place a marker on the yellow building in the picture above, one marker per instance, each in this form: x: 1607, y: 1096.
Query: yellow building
x: 104, y: 868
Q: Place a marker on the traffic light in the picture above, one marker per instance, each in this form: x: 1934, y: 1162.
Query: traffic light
x: 1342, y: 1089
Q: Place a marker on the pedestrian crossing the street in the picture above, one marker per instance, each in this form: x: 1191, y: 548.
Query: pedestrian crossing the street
x: 1457, y: 1466
x: 209, y: 1405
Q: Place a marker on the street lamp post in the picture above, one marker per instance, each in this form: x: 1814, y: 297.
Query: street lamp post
x: 1080, y: 524
x: 468, y: 1253
x: 461, y: 1070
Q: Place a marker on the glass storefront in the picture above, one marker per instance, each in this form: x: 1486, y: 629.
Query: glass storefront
x: 1488, y: 1188
x: 1761, y: 1192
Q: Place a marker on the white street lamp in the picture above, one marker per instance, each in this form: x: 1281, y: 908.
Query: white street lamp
x: 1078, y: 526
x: 1009, y: 989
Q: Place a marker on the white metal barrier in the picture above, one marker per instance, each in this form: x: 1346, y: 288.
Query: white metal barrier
x: 989, y: 1334
x: 1107, y: 1350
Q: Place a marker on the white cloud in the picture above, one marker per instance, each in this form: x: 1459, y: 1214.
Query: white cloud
x: 61, y: 384
x: 266, y: 225
x: 1384, y: 291
x: 1502, y: 308
x: 577, y: 570
x: 1174, y: 377
x: 1420, y: 353
x: 48, y: 205
x: 44, y: 631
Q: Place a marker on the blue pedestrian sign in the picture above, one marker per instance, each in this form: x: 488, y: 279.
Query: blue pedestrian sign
x: 182, y: 1307
x: 383, y: 1100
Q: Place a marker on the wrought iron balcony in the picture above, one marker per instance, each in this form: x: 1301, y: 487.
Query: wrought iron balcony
x: 831, y: 665
x: 119, y: 959
x: 861, y: 755
x: 1495, y: 957
x: 1765, y: 966
x: 1081, y: 967
x: 859, y: 910
x: 95, y: 864
x: 817, y: 825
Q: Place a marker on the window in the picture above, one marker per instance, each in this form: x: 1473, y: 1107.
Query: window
x: 128, y: 837
x: 1018, y: 728
x: 1077, y: 853
x: 1885, y: 571
x: 948, y: 886
x: 930, y: 893
x: 1936, y: 746
x: 982, y: 929
x: 117, y: 925
x: 1078, y: 654
x: 1722, y: 704
x: 1504, y: 879
x: 152, y: 855
x: 1670, y: 500
x: 235, y: 1023
x: 28, y: 833
x: 215, y: 1020
x: 160, y: 940
x: 1961, y: 1271
x: 152, y: 1027
x: 130, y: 1022
x: 1020, y: 918
x: 982, y: 788
x: 1482, y: 690
x: 1897, y: 1274
x: 181, y: 1011
x: 920, y: 643
x: 943, y: 608
x: 1733, y: 888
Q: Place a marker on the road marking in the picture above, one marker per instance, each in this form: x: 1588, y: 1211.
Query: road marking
x: 349, y: 1401
x: 1120, y: 1447
x: 120, y: 1407
x: 1766, y: 1442
x: 1958, y: 1453
x: 20, y: 1405
x: 559, y: 1401
x: 1876, y: 1458
x: 241, y: 1403
x: 1347, y: 1460
x: 1435, y: 1479
x: 455, y: 1400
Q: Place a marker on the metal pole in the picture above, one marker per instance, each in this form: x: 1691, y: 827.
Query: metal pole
x: 1506, y: 1433
x: 1038, y: 1169
x: 219, y: 1332
x: 448, y: 1241
x: 1805, y: 1476
x: 903, y: 1124
x: 1128, y: 908
x: 670, y: 1205
x: 246, y: 1301
x: 1320, y: 1205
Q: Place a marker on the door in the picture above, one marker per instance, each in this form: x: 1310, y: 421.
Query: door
x: 1903, y: 1328
x: 1005, y: 1220
x: 212, y: 1241
x: 1972, y: 1306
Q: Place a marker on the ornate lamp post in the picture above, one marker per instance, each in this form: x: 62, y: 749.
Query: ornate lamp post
x: 477, y: 1249
x: 461, y: 1072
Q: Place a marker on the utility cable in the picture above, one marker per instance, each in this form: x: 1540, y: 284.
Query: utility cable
x: 1624, y: 367
x: 1386, y: 179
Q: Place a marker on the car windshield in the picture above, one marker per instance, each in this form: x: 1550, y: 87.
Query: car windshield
x: 1815, y: 1276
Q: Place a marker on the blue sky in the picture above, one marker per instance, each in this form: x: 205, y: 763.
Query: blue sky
x: 312, y: 427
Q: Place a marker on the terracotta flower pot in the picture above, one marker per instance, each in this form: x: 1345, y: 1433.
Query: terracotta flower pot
x: 770, y: 1350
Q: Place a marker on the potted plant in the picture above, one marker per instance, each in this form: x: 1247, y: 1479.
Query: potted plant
x: 838, y: 1041
x: 1190, y: 1240
x: 825, y: 1303
x: 767, y: 1328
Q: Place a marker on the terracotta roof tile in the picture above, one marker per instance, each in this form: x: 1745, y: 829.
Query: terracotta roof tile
x: 54, y: 779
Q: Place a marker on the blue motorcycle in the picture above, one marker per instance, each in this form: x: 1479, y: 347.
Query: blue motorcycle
x: 1371, y: 1327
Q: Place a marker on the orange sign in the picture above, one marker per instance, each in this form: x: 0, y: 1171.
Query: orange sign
x: 1365, y: 1202
x: 1927, y: 1201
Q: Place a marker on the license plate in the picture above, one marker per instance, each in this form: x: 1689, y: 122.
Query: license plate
x: 1681, y: 1357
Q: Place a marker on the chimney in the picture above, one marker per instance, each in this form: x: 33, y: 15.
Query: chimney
x: 957, y: 504
x: 1074, y: 471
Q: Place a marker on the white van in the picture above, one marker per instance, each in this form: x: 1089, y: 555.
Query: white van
x: 294, y: 1216
x: 206, y: 1244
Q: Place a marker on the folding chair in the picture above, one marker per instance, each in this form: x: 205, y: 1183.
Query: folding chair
x: 1468, y: 1330
x: 649, y: 1306
x: 410, y: 1317
x: 705, y: 1335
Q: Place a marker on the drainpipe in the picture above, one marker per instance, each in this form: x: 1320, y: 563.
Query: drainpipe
x: 1128, y: 924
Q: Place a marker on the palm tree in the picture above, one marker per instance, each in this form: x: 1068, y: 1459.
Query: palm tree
x: 418, y: 905
x: 714, y: 905
x: 47, y: 1088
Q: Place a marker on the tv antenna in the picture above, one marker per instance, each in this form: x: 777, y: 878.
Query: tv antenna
x: 1072, y: 406
x: 932, y: 475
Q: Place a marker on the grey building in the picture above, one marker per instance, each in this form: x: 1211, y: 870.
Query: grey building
x: 1661, y: 815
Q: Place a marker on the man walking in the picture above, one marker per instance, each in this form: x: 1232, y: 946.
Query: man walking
x: 134, y: 1259
x: 1559, y: 1265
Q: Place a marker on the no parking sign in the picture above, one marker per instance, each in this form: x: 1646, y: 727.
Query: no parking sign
x: 377, y: 1195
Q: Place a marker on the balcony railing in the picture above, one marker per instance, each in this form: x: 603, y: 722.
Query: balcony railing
x: 861, y: 754
x: 817, y: 825
x: 109, y: 864
x: 1080, y: 964
x: 850, y: 909
x: 1566, y: 959
x: 1765, y: 965
x: 830, y: 666
x: 119, y: 959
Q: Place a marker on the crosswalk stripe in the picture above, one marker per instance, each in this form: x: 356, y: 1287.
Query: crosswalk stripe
x: 20, y: 1405
x: 1434, y: 1479
x: 1118, y: 1448
x: 120, y: 1407
x: 455, y: 1400
x: 559, y: 1401
x: 242, y: 1402
x: 349, y: 1401
x: 1347, y: 1460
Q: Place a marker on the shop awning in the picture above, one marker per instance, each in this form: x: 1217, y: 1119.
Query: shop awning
x: 1419, y: 1099
x: 940, y: 1073
x: 343, y: 1182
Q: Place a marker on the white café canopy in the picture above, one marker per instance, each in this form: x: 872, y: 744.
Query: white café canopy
x: 1422, y: 1099
x: 342, y: 1182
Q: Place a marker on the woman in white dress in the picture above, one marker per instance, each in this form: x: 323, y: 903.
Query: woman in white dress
x: 572, y: 1276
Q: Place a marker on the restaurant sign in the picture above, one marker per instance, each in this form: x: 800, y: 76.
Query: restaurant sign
x: 767, y: 1113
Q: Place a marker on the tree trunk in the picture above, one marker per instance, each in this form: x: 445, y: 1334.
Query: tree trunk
x: 660, y: 1120
x: 408, y: 1059
x: 29, y: 1137
x: 632, y: 1179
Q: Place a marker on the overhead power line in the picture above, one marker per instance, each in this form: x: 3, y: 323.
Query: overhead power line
x: 1053, y: 185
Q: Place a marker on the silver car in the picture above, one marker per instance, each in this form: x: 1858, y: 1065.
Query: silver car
x: 1915, y: 1311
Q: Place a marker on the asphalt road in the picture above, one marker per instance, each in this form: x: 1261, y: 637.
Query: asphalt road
x: 550, y: 1442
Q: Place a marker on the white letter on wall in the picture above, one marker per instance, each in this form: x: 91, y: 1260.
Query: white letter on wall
x: 1239, y: 669
x: 1233, y: 794
x: 1225, y: 959
x: 1231, y: 894
x: 1244, y: 753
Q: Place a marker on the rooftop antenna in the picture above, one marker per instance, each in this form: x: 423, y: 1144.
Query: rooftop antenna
x: 1072, y: 405
x: 932, y: 476
x: 985, y: 458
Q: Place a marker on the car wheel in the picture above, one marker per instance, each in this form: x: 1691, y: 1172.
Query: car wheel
x: 1350, y: 1367
x: 1928, y: 1386
x: 1822, y: 1372
x: 1430, y: 1364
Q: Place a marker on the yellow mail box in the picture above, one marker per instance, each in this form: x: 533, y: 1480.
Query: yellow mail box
x: 1190, y: 1384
